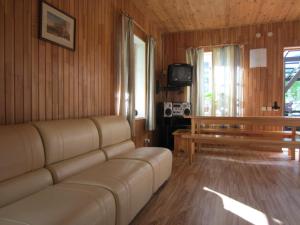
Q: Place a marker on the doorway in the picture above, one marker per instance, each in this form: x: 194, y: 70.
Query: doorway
x: 291, y: 60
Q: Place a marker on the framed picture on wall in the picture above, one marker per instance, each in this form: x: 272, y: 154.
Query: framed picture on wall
x: 57, y: 26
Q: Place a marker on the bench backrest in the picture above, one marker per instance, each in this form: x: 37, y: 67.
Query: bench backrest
x: 250, y: 120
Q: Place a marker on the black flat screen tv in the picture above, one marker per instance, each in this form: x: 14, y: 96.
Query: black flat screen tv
x: 180, y: 75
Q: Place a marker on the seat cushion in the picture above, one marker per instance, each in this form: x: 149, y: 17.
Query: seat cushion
x: 130, y: 182
x: 160, y: 160
x: 63, y: 204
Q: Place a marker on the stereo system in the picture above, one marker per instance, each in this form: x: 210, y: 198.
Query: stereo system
x: 177, y: 109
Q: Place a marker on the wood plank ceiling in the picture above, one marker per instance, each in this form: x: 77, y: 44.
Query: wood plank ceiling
x: 183, y: 15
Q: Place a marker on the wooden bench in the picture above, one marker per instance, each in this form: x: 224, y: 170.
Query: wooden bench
x: 181, y: 143
x: 250, y: 131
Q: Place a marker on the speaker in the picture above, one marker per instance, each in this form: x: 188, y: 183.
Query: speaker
x: 168, y: 109
x: 186, y: 108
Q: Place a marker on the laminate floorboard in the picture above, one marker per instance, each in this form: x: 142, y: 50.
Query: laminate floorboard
x: 227, y: 187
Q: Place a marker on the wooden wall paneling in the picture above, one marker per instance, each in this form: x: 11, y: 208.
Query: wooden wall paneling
x: 101, y: 56
x: 80, y: 26
x: 19, y: 61
x: 49, y: 82
x: 27, y: 60
x: 106, y: 53
x: 55, y: 75
x: 92, y: 59
x: 85, y: 70
x: 66, y: 61
x: 9, y: 62
x: 114, y: 56
x: 71, y: 68
x: 76, y: 63
x: 60, y: 76
x: 141, y: 134
x: 34, y: 61
x: 48, y: 79
x: 2, y: 62
x: 111, y: 70
x: 42, y: 76
x: 55, y: 82
x: 96, y: 58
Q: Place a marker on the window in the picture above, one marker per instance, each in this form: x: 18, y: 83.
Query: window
x: 207, y: 84
x: 221, y: 82
x: 140, y: 76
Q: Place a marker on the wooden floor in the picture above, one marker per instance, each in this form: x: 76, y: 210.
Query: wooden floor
x: 228, y: 187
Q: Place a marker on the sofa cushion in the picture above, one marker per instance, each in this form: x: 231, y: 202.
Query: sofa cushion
x: 25, y: 185
x: 65, y: 139
x: 112, y: 130
x: 130, y: 181
x: 63, y: 204
x: 160, y: 160
x: 21, y: 151
x: 21, y: 163
x: 71, y: 146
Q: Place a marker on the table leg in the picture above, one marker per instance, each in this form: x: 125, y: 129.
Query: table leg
x: 176, y: 146
x: 191, y: 152
x: 293, y: 153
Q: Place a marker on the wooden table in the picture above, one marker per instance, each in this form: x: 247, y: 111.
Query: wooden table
x: 244, y: 131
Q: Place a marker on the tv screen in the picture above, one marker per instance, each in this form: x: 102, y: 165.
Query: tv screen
x: 180, y: 75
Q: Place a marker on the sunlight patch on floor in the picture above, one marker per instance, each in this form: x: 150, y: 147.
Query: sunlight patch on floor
x: 246, y: 212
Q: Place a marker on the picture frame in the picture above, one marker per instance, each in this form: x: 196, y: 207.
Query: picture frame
x: 57, y: 26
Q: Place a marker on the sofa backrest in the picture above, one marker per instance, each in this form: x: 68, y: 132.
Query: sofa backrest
x: 71, y: 146
x: 114, y: 135
x: 22, y: 163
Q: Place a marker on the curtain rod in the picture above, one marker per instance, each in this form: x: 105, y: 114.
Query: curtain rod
x: 134, y: 22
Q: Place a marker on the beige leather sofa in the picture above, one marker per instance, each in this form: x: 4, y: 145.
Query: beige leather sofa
x: 81, y: 172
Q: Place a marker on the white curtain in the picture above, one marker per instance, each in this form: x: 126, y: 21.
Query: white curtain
x: 195, y: 57
x: 217, y: 88
x: 150, y: 85
x: 125, y: 80
x: 227, y: 97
